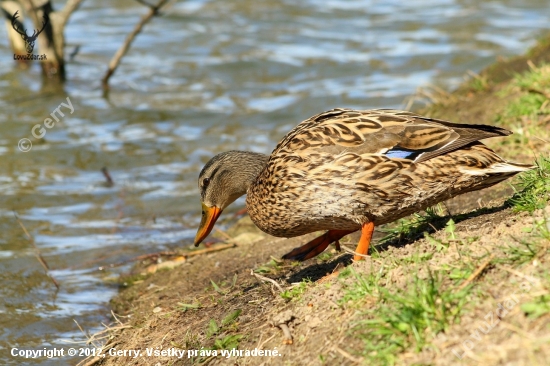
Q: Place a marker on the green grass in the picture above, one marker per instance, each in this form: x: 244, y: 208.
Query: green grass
x: 534, y: 86
x: 412, y: 227
x: 529, y: 104
x: 403, y: 318
x: 524, y: 250
x: 273, y: 266
x: 527, y: 113
x: 364, y: 284
x: 128, y: 281
x: 218, y: 331
x: 325, y: 256
x: 534, y: 188
x: 538, y: 307
x: 183, y: 307
x: 400, y: 319
x: 419, y: 225
x: 538, y: 78
x: 191, y: 341
x: 416, y: 258
x: 478, y: 82
x: 521, y: 252
x: 296, y: 292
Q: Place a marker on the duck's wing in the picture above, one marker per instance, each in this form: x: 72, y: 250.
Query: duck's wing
x: 393, y: 133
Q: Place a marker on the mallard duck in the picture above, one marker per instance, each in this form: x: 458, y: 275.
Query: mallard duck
x: 346, y: 170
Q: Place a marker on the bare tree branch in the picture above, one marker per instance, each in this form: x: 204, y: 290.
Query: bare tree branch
x: 68, y: 9
x: 37, y: 253
x: 16, y: 41
x: 115, y: 61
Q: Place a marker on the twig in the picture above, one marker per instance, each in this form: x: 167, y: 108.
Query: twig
x: 335, y: 272
x: 261, y: 345
x: 95, y: 336
x: 513, y: 328
x: 543, y: 140
x: 476, y: 272
x: 347, y: 250
x: 224, y: 234
x: 68, y: 9
x: 209, y: 250
x: 347, y: 355
x: 36, y: 250
x: 82, y: 330
x: 116, y: 318
x: 473, y: 74
x: 286, y: 331
x: 107, y: 176
x: 115, y: 61
x: 267, y: 279
x: 143, y: 2
x: 538, y: 91
x: 531, y: 279
x: 173, y: 254
x: 92, y: 362
x: 74, y: 52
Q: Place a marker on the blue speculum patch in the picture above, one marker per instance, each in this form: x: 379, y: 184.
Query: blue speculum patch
x: 401, y: 153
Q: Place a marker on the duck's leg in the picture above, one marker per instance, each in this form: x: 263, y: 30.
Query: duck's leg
x: 363, y: 246
x: 241, y: 212
x: 316, y: 246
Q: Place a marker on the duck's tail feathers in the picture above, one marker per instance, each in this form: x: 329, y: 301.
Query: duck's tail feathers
x: 508, y: 167
x: 503, y: 168
x: 496, y: 173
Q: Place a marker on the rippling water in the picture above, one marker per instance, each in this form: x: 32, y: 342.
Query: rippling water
x: 206, y: 77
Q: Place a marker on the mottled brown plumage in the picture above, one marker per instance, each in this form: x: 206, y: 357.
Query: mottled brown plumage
x: 343, y: 169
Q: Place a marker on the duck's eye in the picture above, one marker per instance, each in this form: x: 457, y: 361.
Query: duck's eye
x: 205, y: 182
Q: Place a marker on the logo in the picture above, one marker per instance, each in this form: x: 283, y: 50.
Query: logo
x: 29, y: 40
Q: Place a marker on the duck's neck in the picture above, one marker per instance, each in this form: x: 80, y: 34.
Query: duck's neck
x: 251, y: 165
x: 239, y: 169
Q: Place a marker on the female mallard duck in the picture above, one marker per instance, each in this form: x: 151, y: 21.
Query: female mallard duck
x: 345, y: 170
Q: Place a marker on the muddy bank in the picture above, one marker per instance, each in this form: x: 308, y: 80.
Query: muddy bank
x: 417, y: 299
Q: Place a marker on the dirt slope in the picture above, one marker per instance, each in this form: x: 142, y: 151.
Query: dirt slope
x: 473, y: 290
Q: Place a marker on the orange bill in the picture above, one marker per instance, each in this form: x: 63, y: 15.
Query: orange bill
x: 209, y: 217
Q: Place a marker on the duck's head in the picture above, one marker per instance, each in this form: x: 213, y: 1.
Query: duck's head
x: 223, y: 179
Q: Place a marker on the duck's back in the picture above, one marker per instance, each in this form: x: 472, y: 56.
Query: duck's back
x: 342, y: 168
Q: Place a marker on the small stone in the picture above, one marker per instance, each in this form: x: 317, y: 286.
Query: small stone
x: 314, y: 322
x: 282, y: 318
